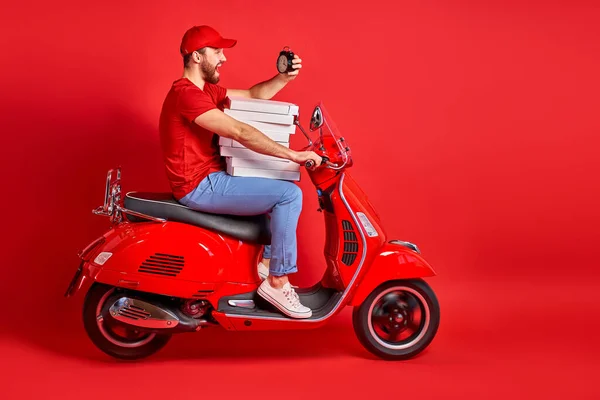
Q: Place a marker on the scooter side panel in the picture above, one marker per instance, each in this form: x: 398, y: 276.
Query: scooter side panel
x: 393, y: 262
x: 175, y: 259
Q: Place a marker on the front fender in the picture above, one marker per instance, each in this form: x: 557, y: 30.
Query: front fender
x: 394, y: 261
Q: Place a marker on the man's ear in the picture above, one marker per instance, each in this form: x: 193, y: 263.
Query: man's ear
x: 198, y: 54
x: 197, y: 57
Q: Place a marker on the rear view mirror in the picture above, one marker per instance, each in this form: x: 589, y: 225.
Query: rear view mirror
x: 316, y: 121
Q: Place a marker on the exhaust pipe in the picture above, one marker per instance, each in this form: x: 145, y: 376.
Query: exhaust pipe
x: 153, y: 317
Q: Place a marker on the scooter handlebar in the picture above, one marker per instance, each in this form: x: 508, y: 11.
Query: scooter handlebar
x: 310, y: 163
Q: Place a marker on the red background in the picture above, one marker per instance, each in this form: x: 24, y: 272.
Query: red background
x: 474, y: 128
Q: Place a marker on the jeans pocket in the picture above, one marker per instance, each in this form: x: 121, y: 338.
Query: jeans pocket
x: 211, y: 181
x: 206, y: 185
x: 215, y: 180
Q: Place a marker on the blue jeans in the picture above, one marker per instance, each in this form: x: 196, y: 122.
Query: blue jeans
x: 221, y: 193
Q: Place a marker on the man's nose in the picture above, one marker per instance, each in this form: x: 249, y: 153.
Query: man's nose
x: 223, y: 59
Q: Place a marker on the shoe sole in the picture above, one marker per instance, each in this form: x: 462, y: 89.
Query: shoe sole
x: 281, y: 308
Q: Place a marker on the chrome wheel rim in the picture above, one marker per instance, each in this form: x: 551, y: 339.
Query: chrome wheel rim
x: 398, y: 318
x: 120, y: 335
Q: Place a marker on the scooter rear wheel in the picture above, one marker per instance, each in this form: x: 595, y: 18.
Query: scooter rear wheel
x: 117, y: 341
x: 398, y: 320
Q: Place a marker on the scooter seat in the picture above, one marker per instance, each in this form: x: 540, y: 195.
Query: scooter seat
x: 163, y: 205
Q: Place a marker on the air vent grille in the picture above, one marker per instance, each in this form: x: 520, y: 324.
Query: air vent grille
x: 134, y: 312
x: 350, y: 243
x: 162, y: 264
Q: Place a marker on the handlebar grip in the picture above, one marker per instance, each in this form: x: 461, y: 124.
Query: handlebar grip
x: 309, y: 164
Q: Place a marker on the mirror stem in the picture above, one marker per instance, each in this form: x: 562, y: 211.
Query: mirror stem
x: 297, y: 122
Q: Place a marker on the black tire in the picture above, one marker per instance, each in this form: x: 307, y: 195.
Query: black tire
x: 106, y: 338
x: 390, y: 311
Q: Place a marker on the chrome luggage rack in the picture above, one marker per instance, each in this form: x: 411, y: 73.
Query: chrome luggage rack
x: 113, y: 203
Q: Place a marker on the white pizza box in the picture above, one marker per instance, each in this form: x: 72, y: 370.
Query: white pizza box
x: 247, y: 154
x: 264, y: 173
x: 262, y: 164
x: 260, y: 105
x: 232, y: 143
x: 260, y: 117
x: 270, y: 127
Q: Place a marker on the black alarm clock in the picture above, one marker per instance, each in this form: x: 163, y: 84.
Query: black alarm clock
x: 284, y: 61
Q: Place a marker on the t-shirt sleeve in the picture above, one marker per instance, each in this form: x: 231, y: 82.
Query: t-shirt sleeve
x: 217, y: 92
x: 193, y: 103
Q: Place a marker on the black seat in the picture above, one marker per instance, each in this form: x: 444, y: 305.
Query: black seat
x: 164, y: 205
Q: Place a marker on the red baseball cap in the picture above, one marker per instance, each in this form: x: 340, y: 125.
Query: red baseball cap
x: 201, y: 36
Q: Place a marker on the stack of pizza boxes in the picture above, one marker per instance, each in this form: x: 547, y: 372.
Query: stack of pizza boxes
x: 273, y: 118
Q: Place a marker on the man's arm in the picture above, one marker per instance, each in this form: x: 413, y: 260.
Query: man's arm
x: 263, y: 90
x: 224, y: 125
x: 267, y: 89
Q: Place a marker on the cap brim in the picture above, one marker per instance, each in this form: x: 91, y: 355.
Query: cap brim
x: 225, y: 43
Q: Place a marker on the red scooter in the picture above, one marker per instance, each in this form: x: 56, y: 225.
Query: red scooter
x: 164, y: 268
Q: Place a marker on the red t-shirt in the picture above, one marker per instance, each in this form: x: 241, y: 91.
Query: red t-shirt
x: 190, y: 152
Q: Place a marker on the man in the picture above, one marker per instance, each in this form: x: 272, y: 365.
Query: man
x: 191, y: 122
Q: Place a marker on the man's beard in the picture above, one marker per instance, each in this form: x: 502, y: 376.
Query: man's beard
x: 210, y: 72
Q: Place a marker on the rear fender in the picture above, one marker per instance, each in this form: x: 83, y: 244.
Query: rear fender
x: 394, y: 261
x: 83, y: 272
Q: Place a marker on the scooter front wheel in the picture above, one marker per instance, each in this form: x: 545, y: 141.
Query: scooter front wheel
x: 398, y: 320
x: 117, y: 341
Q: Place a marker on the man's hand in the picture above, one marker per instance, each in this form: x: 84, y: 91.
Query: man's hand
x: 267, y: 89
x: 301, y: 157
x: 296, y: 64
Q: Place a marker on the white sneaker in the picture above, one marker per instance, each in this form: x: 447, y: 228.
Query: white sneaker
x: 263, y: 271
x: 285, y: 299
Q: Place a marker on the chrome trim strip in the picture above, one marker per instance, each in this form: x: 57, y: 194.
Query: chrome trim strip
x: 241, y: 303
x: 138, y: 214
x: 410, y: 245
x: 362, y: 259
